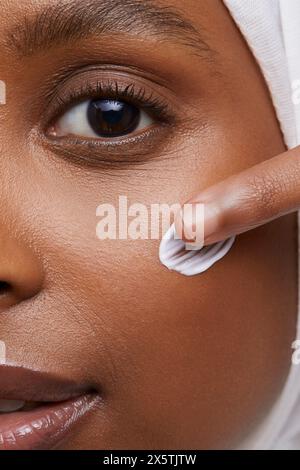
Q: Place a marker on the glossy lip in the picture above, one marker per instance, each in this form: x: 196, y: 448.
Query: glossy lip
x: 47, y: 425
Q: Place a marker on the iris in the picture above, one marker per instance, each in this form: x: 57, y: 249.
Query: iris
x: 111, y: 118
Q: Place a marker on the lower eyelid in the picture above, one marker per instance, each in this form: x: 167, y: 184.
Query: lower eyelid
x: 117, y: 153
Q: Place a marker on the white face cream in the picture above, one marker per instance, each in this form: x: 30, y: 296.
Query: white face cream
x: 175, y: 255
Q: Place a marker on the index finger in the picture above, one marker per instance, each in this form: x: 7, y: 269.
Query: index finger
x: 247, y: 200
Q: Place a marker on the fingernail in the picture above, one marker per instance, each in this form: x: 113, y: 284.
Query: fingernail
x: 199, y: 223
x: 193, y: 224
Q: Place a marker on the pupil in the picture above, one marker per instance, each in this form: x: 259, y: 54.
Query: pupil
x: 111, y: 118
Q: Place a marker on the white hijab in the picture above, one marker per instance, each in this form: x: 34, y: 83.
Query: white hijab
x: 272, y: 31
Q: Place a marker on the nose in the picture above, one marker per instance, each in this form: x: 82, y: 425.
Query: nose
x: 21, y: 274
x: 20, y: 271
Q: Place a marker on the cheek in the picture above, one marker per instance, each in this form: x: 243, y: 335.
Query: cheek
x: 188, y: 359
x: 210, y: 352
x: 196, y: 355
x: 156, y: 341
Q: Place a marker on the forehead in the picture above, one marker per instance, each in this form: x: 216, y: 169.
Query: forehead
x: 192, y: 28
x: 173, y: 17
x: 30, y: 5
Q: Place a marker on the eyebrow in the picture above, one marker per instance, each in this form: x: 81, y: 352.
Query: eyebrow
x: 61, y: 23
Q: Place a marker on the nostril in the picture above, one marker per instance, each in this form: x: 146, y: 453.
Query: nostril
x: 5, y: 287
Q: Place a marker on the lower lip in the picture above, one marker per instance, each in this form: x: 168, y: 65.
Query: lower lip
x: 45, y: 427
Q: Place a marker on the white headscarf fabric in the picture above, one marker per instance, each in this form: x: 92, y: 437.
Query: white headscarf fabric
x: 272, y: 31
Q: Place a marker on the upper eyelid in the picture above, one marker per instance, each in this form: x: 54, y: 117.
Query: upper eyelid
x: 112, y: 91
x: 65, y: 74
x: 72, y: 93
x: 64, y: 77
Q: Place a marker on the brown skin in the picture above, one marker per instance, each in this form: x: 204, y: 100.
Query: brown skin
x: 180, y: 362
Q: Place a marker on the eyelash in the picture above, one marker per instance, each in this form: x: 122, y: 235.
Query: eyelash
x: 156, y: 107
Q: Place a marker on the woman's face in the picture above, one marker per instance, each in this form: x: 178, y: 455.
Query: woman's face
x: 177, y: 362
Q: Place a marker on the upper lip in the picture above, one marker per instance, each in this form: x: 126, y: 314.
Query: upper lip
x: 22, y: 383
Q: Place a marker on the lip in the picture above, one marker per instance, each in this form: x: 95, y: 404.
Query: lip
x: 62, y: 404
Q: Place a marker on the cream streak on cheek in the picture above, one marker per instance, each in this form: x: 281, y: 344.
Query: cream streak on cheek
x: 173, y: 254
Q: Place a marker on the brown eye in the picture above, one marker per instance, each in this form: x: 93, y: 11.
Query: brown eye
x: 102, y: 118
x: 110, y: 118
